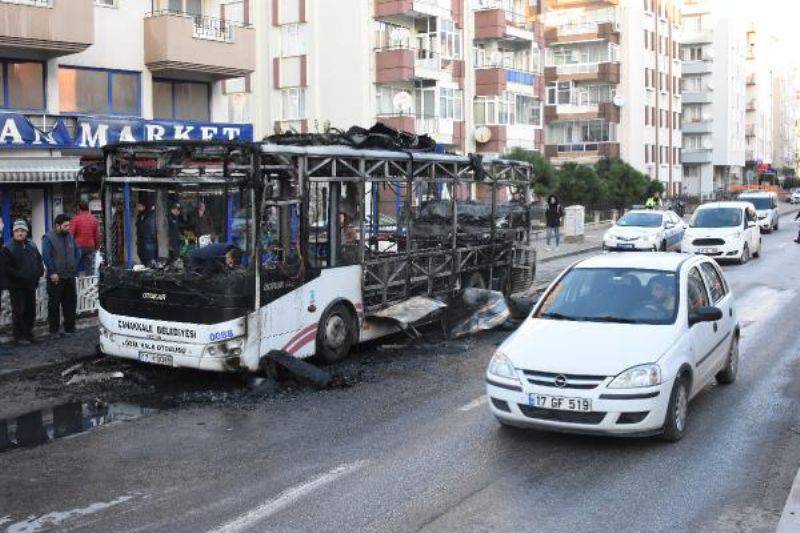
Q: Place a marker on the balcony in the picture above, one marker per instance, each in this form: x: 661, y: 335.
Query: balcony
x: 700, y: 126
x: 563, y: 4
x: 404, y: 64
x: 206, y: 48
x: 607, y: 72
x: 696, y: 97
x: 496, y: 23
x: 46, y: 28
x: 587, y: 153
x: 696, y: 67
x: 697, y: 37
x: 393, y: 10
x: 443, y: 131
x: 567, y: 112
x: 586, y: 31
x: 492, y: 81
x: 696, y: 156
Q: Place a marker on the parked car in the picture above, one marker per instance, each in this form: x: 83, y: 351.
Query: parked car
x: 618, y: 345
x: 646, y: 230
x: 725, y: 230
x: 795, y: 196
x: 766, y: 204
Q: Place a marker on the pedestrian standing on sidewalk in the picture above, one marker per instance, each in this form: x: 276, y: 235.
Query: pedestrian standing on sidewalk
x: 61, y: 257
x: 24, y: 266
x: 797, y: 240
x: 85, y: 230
x: 554, y: 213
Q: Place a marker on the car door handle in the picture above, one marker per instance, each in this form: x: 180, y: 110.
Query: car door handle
x: 715, y: 327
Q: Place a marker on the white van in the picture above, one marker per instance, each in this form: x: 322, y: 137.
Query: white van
x: 724, y: 230
x: 766, y: 204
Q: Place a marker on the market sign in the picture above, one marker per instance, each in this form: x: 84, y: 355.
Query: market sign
x: 16, y: 131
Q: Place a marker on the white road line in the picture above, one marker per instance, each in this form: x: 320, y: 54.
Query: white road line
x: 477, y: 402
x: 287, y: 498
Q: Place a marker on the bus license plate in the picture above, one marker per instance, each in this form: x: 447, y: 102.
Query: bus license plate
x: 155, y: 358
x: 560, y: 403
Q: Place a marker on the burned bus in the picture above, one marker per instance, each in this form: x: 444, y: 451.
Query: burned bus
x: 217, y: 254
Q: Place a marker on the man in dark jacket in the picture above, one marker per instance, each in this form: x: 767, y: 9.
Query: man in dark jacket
x: 61, y: 257
x: 797, y: 240
x: 201, y: 221
x: 24, y: 267
x: 554, y: 213
x: 216, y: 258
x: 146, y: 237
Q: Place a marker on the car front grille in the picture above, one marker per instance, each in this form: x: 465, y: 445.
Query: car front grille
x: 708, y: 242
x: 592, y: 417
x: 569, y: 381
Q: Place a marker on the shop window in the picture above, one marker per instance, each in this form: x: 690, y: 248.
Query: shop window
x: 83, y: 90
x: 22, y: 85
x: 181, y: 100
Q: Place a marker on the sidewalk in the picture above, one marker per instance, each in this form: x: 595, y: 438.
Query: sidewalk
x: 77, y: 347
x: 592, y: 240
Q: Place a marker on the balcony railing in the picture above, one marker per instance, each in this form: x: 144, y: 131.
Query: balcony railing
x: 580, y: 147
x: 577, y: 68
x: 34, y: 3
x: 579, y: 28
x: 206, y: 27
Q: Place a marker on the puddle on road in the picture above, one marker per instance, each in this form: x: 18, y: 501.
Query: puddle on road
x: 46, y: 425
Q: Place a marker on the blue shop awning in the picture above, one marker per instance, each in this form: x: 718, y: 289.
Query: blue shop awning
x: 39, y: 169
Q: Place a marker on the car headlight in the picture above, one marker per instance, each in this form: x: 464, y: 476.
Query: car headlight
x: 735, y: 235
x: 638, y: 376
x: 501, y: 366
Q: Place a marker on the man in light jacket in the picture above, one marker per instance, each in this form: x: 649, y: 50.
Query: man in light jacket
x: 61, y: 257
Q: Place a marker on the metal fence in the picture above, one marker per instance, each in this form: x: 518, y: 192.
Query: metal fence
x: 87, y: 300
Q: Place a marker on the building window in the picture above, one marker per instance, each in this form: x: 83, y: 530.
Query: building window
x: 693, y: 142
x: 293, y: 40
x: 527, y: 112
x: 85, y: 90
x: 181, y: 100
x: 692, y: 83
x: 693, y: 53
x: 450, y: 40
x: 559, y: 92
x: 293, y: 103
x: 106, y: 3
x: 451, y: 104
x: 22, y: 85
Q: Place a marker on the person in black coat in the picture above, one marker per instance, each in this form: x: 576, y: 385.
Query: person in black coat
x: 24, y: 269
x: 554, y: 213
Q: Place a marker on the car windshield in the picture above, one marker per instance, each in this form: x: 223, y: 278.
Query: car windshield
x: 620, y: 295
x: 640, y: 220
x: 759, y: 202
x: 717, y: 217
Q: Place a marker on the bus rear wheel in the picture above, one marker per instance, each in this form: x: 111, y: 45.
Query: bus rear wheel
x: 336, y: 334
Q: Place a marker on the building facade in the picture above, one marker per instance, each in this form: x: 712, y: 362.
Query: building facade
x: 713, y: 90
x: 78, y: 74
x: 612, y: 74
x: 758, y: 101
x: 465, y: 72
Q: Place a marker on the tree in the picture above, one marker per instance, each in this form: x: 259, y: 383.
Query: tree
x: 544, y: 175
x: 624, y: 184
x: 579, y: 184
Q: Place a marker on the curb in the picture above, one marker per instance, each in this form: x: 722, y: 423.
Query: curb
x: 22, y: 372
x: 570, y: 254
x: 790, y: 518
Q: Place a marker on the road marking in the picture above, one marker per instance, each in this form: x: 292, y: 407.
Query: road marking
x: 287, y: 498
x: 56, y: 518
x: 477, y: 402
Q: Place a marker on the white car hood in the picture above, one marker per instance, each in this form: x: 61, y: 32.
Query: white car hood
x: 630, y: 232
x: 587, y: 348
x: 714, y: 233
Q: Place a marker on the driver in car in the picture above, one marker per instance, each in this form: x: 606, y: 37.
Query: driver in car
x: 661, y: 300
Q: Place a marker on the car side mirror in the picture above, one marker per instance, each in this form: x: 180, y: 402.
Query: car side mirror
x: 705, y: 314
x: 669, y: 225
x: 751, y: 224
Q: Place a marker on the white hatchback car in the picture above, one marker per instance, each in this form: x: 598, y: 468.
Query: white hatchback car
x: 725, y: 230
x: 795, y: 197
x: 618, y: 345
x: 766, y: 204
x: 645, y: 230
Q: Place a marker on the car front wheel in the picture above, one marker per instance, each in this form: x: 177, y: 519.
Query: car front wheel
x: 745, y: 257
x: 727, y: 375
x: 677, y: 411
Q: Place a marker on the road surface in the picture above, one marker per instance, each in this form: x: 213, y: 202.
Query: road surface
x: 413, y: 447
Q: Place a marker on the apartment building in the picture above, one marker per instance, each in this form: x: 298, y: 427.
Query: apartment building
x: 462, y: 71
x: 713, y: 90
x: 78, y: 74
x: 760, y: 74
x: 612, y: 73
x: 784, y: 118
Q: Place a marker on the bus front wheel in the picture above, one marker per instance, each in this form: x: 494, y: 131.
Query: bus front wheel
x: 336, y: 334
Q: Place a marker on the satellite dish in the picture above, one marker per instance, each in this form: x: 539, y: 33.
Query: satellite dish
x: 496, y: 57
x: 483, y: 134
x: 402, y: 102
x: 618, y: 101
